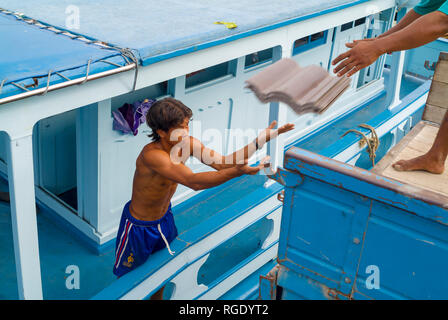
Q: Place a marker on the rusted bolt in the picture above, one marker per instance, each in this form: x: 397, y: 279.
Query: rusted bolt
x: 281, y: 196
x: 347, y: 280
x: 356, y: 241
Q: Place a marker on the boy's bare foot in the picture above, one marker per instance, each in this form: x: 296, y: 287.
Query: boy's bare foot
x: 426, y: 162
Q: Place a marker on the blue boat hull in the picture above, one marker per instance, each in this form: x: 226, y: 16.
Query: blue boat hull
x: 348, y: 233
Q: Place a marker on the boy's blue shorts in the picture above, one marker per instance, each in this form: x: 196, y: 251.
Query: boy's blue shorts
x: 137, y: 239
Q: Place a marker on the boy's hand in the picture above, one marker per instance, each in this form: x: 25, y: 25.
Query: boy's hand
x: 270, y: 133
x: 244, y: 168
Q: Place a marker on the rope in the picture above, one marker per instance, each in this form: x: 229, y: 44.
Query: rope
x: 48, y: 83
x: 372, y: 143
x: 164, y: 240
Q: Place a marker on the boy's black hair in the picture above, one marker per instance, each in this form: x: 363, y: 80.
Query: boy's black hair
x: 166, y: 114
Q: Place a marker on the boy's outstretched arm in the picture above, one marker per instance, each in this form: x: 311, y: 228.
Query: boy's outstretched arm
x: 160, y: 162
x: 217, y: 161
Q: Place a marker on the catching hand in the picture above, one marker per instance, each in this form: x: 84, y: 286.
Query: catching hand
x: 246, y: 169
x: 270, y: 133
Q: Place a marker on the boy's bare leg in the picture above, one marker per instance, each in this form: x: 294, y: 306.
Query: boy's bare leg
x: 158, y: 295
x: 434, y: 160
x: 4, y: 196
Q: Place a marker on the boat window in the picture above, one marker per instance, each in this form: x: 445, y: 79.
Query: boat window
x: 360, y: 22
x: 152, y: 92
x: 317, y: 36
x: 347, y: 26
x: 309, y: 42
x: 3, y: 146
x: 258, y: 57
x: 301, y: 42
x: 157, y: 90
x: 204, y: 75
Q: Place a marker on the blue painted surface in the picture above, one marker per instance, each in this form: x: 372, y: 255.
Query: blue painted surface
x: 136, y: 24
x: 422, y: 60
x: 29, y: 51
x: 195, y: 218
x: 213, y: 208
x: 310, y: 42
x: 340, y: 220
x: 248, y: 289
x: 214, y: 214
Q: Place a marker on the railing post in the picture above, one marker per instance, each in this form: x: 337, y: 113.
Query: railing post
x: 278, y: 112
x: 23, y: 217
x: 273, y: 236
x: 186, y: 283
x: 396, y: 72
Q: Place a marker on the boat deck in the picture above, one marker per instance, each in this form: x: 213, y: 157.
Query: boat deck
x: 59, y: 248
x: 414, y: 144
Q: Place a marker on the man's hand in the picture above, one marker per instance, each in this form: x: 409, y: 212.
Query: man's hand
x: 362, y: 54
x: 270, y: 133
x: 244, y: 168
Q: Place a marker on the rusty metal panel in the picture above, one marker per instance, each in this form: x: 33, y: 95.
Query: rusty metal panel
x: 409, y: 254
x: 322, y: 228
x: 413, y: 199
x: 342, y: 225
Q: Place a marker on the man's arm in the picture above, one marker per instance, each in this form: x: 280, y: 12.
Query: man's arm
x: 409, y: 18
x: 421, y: 31
x: 160, y: 162
x: 217, y: 161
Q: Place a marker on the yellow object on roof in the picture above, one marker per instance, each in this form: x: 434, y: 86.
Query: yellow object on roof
x: 229, y: 25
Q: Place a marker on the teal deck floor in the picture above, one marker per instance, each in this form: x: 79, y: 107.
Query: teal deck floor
x: 59, y: 249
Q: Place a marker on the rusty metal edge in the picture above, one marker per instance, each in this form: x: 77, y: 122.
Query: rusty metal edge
x: 370, y: 177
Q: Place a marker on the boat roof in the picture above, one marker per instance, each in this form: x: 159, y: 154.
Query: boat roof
x: 152, y: 30
x: 30, y: 53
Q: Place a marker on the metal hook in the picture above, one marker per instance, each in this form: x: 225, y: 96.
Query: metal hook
x: 48, y: 83
x: 87, y: 72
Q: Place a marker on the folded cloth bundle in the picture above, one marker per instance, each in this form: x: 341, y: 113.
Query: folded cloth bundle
x: 308, y: 89
x: 129, y: 117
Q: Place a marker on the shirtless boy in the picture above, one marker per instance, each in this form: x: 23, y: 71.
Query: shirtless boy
x: 147, y: 223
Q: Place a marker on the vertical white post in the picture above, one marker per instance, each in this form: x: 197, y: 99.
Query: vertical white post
x: 396, y: 72
x: 87, y: 162
x: 23, y: 217
x: 278, y: 112
x: 394, y: 85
